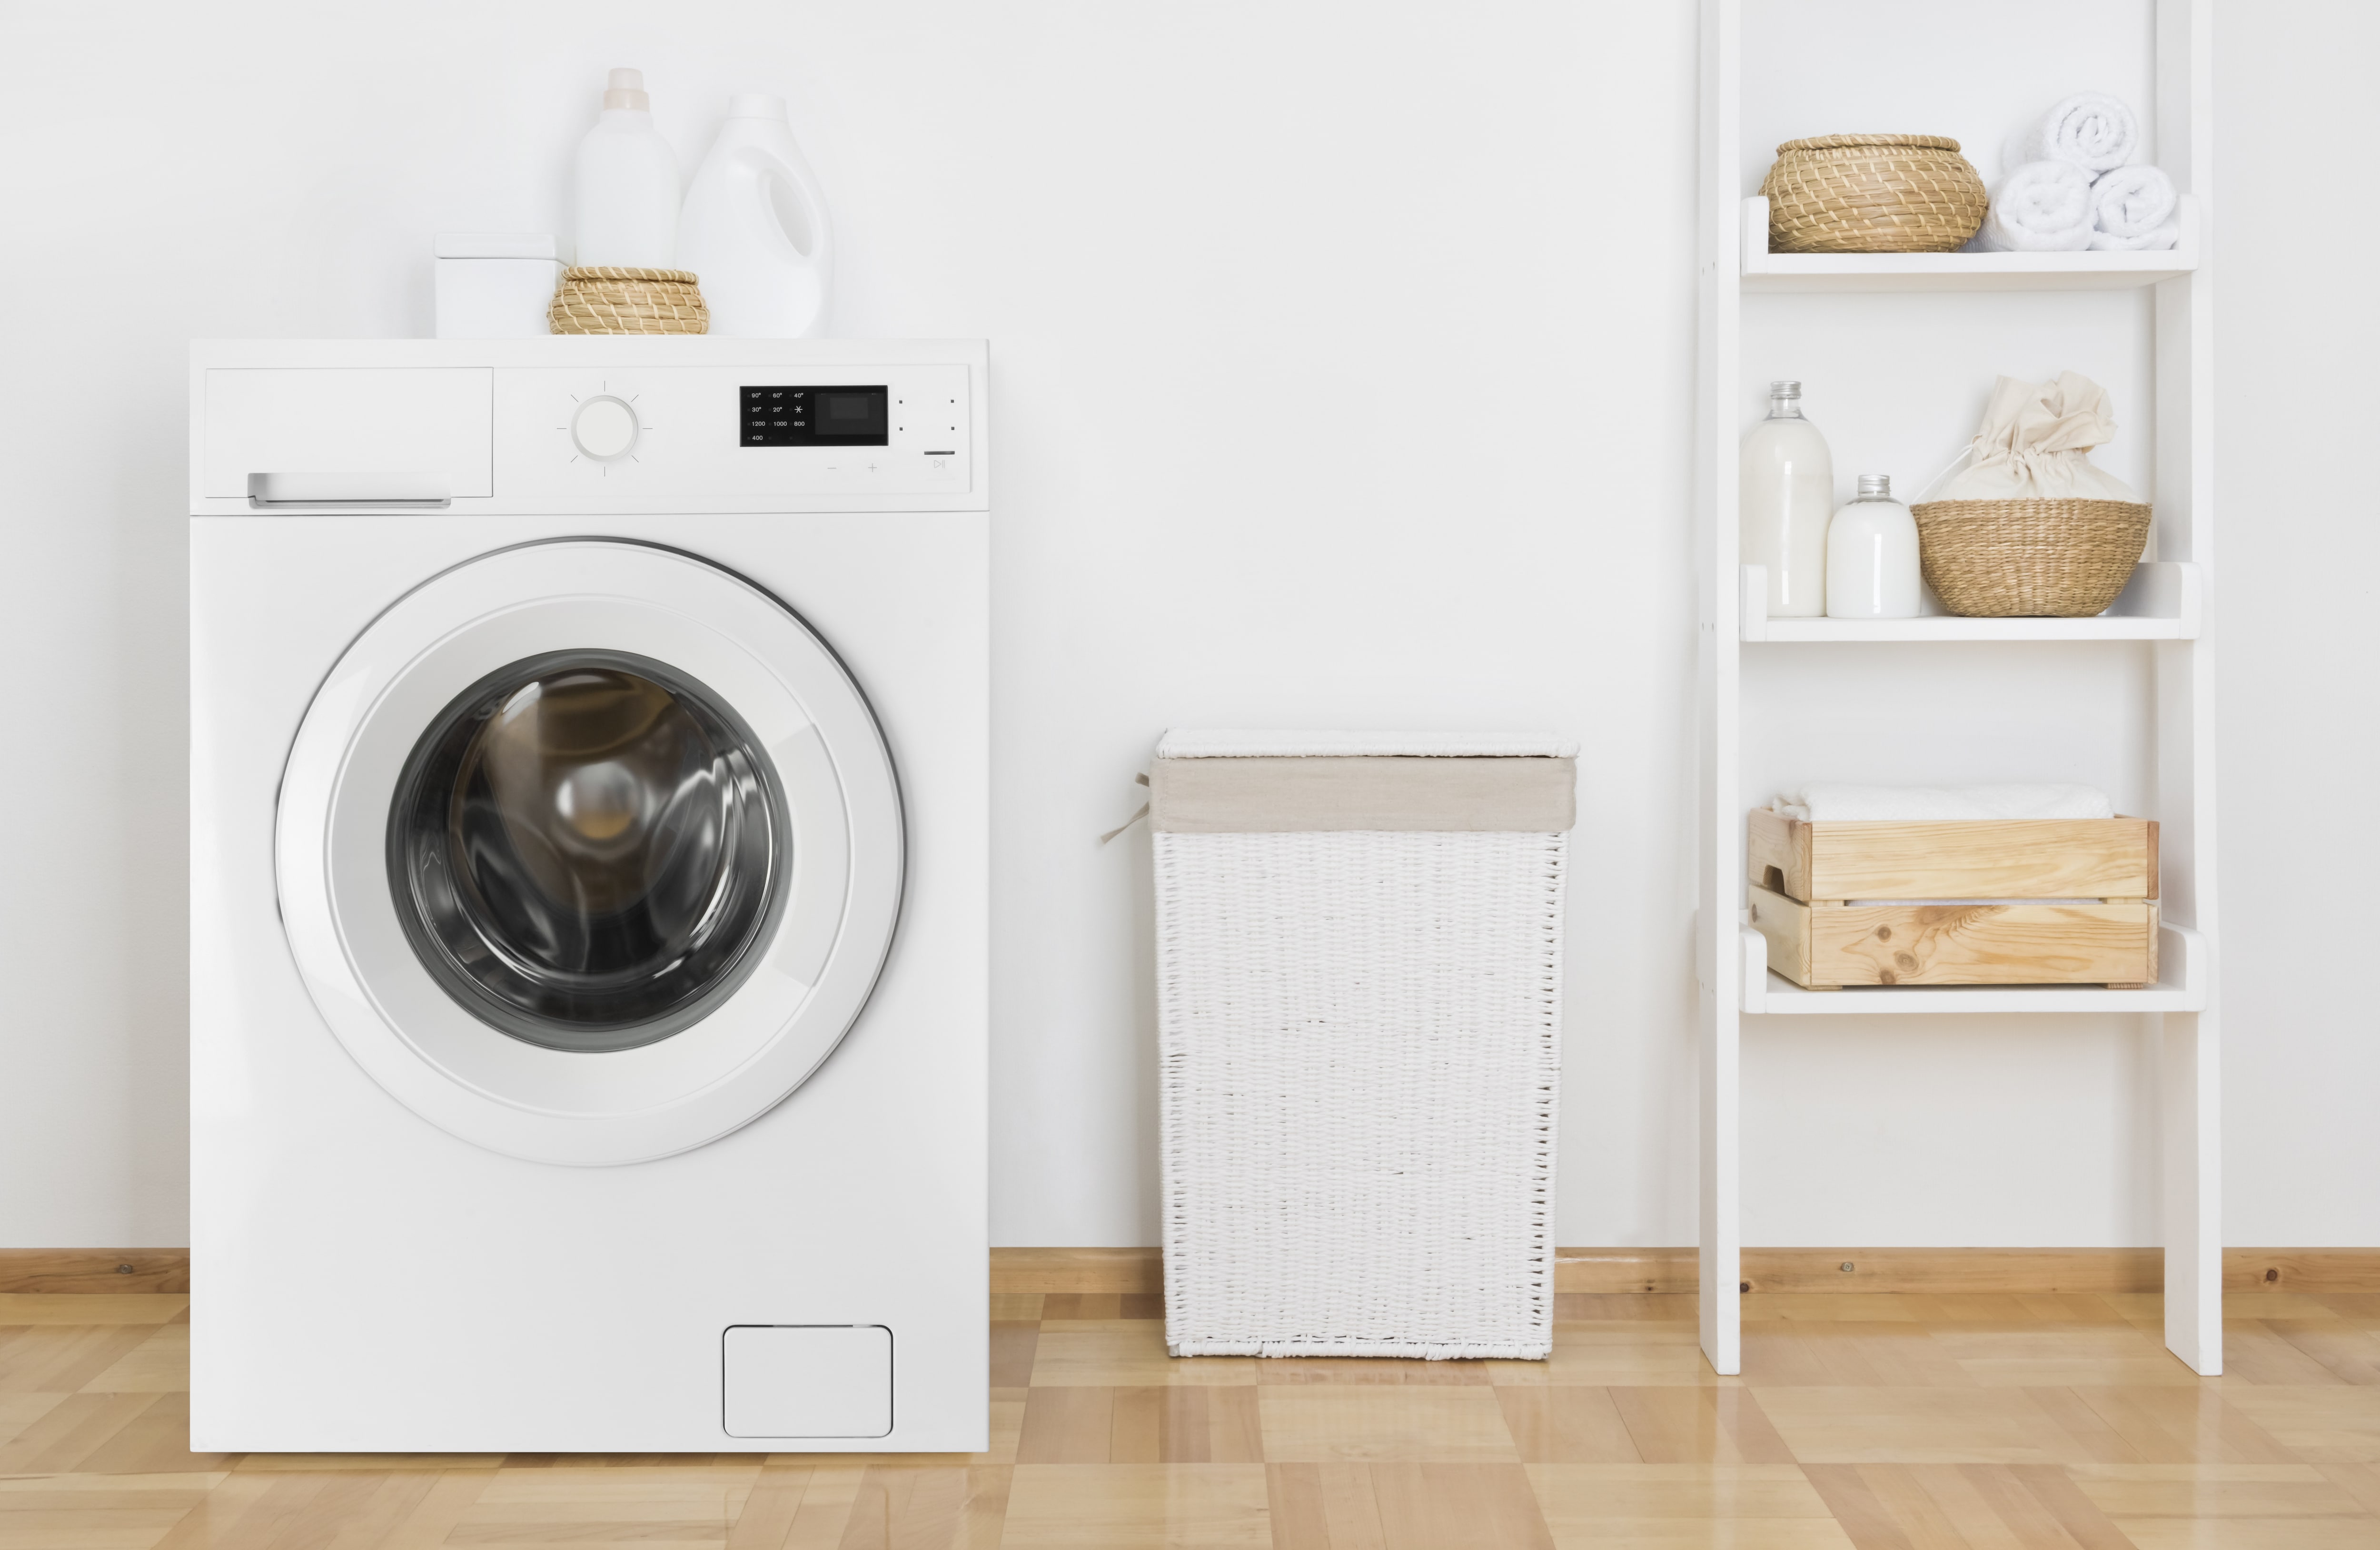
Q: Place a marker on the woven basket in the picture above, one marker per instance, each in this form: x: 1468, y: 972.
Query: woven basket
x: 1358, y: 1058
x: 2011, y: 559
x: 608, y: 300
x: 1872, y: 194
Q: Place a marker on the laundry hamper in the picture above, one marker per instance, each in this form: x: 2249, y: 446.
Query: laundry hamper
x: 1359, y: 1000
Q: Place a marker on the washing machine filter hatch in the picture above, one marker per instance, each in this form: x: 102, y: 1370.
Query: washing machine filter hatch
x: 584, y: 848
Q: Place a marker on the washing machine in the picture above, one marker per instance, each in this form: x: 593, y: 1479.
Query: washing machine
x: 587, y: 895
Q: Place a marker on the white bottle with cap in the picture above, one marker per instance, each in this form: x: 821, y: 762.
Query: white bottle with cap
x: 1872, y: 556
x: 626, y: 184
x: 754, y: 230
x: 1787, y: 492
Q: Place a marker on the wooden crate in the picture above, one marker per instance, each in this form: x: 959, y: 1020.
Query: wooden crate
x: 1804, y: 877
x: 2059, y: 858
x: 1826, y: 947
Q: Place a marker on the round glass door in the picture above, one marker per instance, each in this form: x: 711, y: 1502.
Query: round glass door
x: 590, y: 852
x: 584, y: 848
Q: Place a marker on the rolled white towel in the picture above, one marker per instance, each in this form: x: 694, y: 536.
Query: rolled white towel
x: 2042, y: 207
x: 2132, y: 211
x: 1834, y: 802
x: 2094, y: 131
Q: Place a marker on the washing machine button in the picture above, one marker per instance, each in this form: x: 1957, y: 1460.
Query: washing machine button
x: 605, y: 428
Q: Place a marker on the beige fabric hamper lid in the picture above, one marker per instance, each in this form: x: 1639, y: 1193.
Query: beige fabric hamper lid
x: 1275, y: 782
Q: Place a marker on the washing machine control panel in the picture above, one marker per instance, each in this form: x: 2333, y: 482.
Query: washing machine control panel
x: 733, y: 431
x: 515, y: 426
x: 786, y: 416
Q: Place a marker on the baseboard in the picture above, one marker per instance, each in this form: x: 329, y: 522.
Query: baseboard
x: 1673, y: 1271
x: 1025, y: 1271
x: 94, y: 1270
x: 1925, y: 1271
x: 1659, y: 1271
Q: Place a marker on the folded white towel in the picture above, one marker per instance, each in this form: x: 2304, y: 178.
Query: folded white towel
x: 2042, y: 207
x: 2132, y: 211
x: 1832, y: 802
x: 2094, y: 131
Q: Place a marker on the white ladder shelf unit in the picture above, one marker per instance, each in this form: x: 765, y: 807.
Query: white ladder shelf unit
x: 2168, y: 606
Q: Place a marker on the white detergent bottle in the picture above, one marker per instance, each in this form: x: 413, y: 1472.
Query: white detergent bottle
x: 755, y: 229
x: 626, y: 184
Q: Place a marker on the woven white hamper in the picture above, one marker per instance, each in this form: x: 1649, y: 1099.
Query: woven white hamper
x: 1359, y: 993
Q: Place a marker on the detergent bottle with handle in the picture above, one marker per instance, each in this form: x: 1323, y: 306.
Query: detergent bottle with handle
x: 755, y: 231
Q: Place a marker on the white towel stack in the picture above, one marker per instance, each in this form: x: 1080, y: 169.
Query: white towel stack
x: 2071, y: 182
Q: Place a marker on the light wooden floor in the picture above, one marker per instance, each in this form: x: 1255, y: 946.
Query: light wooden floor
x: 1871, y: 1420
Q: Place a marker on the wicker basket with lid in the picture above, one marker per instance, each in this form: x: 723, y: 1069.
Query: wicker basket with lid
x: 1872, y: 194
x: 607, y: 299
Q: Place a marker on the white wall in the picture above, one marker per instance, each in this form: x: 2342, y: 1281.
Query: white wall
x: 1342, y: 361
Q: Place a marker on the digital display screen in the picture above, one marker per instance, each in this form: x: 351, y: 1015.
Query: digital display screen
x: 815, y: 417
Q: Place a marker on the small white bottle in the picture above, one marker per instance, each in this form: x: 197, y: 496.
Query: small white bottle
x: 755, y: 229
x: 1872, y: 556
x: 1787, y: 492
x: 625, y: 184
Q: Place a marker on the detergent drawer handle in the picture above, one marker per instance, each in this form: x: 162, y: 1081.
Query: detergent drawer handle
x: 417, y: 489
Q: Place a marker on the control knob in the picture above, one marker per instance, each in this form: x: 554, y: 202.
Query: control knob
x: 605, y: 428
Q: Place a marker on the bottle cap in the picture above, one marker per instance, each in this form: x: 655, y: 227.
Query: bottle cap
x: 627, y: 91
x: 1782, y: 389
x: 1875, y: 486
x: 756, y: 104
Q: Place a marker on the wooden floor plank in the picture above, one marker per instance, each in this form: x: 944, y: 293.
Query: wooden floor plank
x: 1323, y: 1506
x: 2319, y: 1425
x: 1848, y: 1425
x: 1427, y: 1506
x: 1402, y: 1423
x: 1137, y: 1507
x: 1700, y: 1426
x: 1566, y: 1424
x: 62, y: 1358
x: 1125, y: 1354
x: 1012, y: 1354
x: 2350, y: 1354
x: 2254, y: 1354
x: 2186, y: 1426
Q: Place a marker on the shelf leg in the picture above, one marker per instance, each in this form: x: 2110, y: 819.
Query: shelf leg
x: 2191, y: 1131
x: 1721, y: 1260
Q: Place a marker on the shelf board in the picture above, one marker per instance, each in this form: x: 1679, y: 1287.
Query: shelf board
x: 1949, y: 627
x: 1765, y: 270
x: 2162, y: 603
x: 2181, y: 987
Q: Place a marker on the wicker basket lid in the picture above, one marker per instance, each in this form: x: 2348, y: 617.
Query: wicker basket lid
x: 1851, y: 142
x: 615, y: 271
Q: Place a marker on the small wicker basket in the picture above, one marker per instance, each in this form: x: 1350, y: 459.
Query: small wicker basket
x: 1872, y: 194
x: 608, y: 300
x: 2013, y: 559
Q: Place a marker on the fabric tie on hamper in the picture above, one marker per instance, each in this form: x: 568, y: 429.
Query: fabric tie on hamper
x: 2040, y: 207
x: 2132, y: 210
x: 1834, y: 802
x: 1359, y: 983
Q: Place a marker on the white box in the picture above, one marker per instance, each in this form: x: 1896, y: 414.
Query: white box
x: 495, y: 285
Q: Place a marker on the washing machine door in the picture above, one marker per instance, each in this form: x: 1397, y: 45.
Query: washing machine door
x: 590, y: 852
